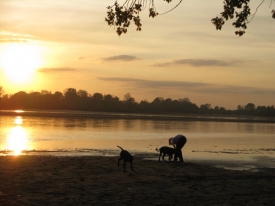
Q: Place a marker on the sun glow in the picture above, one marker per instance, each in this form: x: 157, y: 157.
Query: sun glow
x: 19, y: 61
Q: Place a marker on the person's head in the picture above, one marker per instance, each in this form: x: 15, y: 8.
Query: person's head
x: 170, y: 141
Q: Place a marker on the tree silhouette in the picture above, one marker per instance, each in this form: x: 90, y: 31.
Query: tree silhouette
x: 20, y: 99
x: 120, y: 16
x: 129, y: 102
x: 81, y: 100
x: 205, y: 108
x: 70, y: 96
x: 1, y: 91
x: 96, y: 104
x: 250, y: 106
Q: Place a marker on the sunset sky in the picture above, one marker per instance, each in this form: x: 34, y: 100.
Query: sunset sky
x: 53, y: 45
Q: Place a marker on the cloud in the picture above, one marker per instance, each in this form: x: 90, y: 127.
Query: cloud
x: 198, y: 62
x: 165, y: 64
x: 80, y: 58
x: 49, y: 70
x: 197, y: 87
x: 120, y: 58
x: 7, y: 33
x: 6, y: 37
x: 201, y: 62
x: 9, y: 40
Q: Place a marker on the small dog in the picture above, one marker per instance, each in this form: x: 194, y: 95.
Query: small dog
x: 166, y: 150
x: 126, y: 157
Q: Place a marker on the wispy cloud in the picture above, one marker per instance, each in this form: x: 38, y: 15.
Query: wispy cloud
x: 50, y: 70
x: 165, y: 64
x: 12, y: 34
x: 197, y: 87
x: 10, y: 40
x: 120, y: 58
x: 202, y: 62
x: 197, y: 62
x: 6, y: 36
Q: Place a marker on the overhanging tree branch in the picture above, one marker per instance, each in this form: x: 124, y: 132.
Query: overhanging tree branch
x: 121, y: 16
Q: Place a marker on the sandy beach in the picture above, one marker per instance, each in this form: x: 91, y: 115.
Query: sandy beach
x: 86, y: 180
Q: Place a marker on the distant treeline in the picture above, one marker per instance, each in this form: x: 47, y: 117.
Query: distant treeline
x: 72, y: 99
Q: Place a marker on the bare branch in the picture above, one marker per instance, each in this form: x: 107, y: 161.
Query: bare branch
x: 172, y: 8
x: 256, y: 11
x: 270, y: 3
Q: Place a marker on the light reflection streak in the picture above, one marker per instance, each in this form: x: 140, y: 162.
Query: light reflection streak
x: 19, y: 111
x: 18, y: 120
x: 17, y: 139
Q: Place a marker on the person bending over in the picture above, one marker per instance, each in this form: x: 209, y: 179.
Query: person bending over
x: 178, y: 142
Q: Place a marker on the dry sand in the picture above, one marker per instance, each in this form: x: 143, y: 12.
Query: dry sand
x: 57, y: 180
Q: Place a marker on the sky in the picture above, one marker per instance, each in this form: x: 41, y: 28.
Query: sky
x: 54, y: 45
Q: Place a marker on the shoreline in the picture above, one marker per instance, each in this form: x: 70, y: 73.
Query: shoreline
x: 263, y: 164
x: 87, y: 180
x: 113, y: 115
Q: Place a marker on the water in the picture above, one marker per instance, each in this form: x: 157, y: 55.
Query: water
x: 239, y: 145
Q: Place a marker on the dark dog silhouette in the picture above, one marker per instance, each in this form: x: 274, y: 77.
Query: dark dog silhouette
x: 126, y: 157
x: 166, y: 150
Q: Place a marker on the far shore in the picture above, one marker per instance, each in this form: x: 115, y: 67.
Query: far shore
x: 113, y: 115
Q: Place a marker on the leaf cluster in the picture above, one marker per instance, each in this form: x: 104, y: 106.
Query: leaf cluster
x: 238, y: 9
x: 121, y: 16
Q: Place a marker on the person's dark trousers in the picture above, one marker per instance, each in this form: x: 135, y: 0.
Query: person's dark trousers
x: 179, y: 146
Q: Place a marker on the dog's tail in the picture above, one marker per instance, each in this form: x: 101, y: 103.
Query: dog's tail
x: 157, y: 149
x: 120, y: 147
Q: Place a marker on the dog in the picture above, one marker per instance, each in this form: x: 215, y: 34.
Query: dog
x: 166, y: 150
x: 126, y: 157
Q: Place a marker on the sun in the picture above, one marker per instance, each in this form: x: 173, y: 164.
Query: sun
x: 19, y: 61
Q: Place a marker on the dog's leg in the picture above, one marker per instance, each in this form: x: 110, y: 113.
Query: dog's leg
x: 132, y: 166
x: 163, y: 156
x: 124, y: 165
x: 160, y: 153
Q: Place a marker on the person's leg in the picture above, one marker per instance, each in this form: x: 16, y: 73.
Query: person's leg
x: 179, y: 146
x: 177, y: 153
x: 180, y: 156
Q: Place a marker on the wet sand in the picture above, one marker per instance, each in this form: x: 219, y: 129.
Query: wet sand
x: 86, y: 180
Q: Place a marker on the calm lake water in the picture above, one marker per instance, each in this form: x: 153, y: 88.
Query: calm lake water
x: 239, y: 145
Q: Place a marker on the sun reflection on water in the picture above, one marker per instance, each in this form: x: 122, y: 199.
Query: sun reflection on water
x: 17, y: 138
x: 19, y: 111
x: 18, y: 120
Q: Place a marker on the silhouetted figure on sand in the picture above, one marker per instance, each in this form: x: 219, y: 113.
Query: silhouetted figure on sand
x: 178, y: 142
